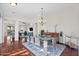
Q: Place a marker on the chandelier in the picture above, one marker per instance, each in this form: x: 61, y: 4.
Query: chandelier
x: 42, y: 19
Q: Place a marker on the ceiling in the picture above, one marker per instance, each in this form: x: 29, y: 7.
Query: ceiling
x: 31, y: 10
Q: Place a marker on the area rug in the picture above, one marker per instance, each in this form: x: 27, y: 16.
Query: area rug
x: 39, y: 50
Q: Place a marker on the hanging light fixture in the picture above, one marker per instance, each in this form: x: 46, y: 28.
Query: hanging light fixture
x: 42, y: 19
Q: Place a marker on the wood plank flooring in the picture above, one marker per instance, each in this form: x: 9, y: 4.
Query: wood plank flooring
x: 13, y: 49
x: 16, y: 49
x: 69, y: 52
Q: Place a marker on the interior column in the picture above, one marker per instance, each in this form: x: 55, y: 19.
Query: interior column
x: 36, y: 29
x: 1, y: 30
x: 16, y: 30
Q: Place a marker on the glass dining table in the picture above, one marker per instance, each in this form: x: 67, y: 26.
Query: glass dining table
x: 46, y: 40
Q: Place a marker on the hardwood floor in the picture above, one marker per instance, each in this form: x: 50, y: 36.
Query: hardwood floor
x: 13, y: 49
x: 17, y: 49
x: 69, y: 52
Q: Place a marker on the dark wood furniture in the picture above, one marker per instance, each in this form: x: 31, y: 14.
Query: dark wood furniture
x: 53, y: 34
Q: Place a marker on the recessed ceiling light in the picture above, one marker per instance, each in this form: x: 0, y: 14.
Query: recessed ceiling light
x: 13, y: 4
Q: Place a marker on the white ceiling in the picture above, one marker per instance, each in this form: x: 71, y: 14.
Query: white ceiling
x: 31, y: 10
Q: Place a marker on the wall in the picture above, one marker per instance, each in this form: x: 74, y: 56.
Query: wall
x: 67, y: 21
